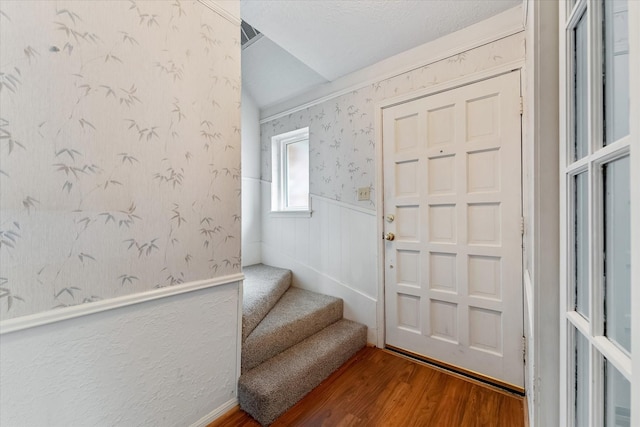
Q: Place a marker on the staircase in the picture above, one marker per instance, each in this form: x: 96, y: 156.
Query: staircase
x: 292, y: 339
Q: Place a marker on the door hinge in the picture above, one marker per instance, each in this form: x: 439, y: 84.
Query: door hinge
x: 521, y: 106
x: 522, y: 225
x: 524, y: 349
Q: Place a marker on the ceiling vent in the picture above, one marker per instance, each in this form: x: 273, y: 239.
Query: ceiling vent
x: 249, y: 35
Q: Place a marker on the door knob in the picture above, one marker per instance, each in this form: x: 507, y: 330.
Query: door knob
x: 389, y: 236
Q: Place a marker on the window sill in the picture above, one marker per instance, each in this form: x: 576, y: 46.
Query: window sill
x: 290, y: 214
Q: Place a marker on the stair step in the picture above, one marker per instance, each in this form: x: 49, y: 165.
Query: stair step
x: 262, y: 288
x: 295, y: 317
x: 273, y: 387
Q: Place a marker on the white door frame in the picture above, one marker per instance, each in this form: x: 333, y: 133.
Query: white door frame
x: 634, y: 64
x: 599, y: 347
x: 432, y: 90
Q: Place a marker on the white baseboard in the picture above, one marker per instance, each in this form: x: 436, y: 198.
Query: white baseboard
x: 358, y: 306
x: 216, y: 413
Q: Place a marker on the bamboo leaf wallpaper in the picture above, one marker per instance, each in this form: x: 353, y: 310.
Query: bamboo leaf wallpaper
x: 119, y: 150
x: 341, y: 130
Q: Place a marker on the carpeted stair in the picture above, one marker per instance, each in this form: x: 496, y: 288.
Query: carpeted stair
x: 292, y: 340
x: 263, y: 287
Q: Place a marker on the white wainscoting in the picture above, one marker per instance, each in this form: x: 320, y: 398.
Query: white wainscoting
x: 168, y: 361
x: 333, y: 252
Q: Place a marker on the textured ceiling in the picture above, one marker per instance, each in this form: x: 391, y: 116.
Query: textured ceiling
x: 336, y: 37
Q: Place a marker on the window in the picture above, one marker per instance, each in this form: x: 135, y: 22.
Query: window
x: 596, y: 215
x: 290, y: 171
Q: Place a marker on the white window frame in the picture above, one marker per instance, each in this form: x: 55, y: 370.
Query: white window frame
x: 593, y: 329
x: 279, y: 190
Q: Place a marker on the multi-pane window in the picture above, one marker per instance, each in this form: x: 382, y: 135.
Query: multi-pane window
x: 290, y: 171
x: 616, y: 60
x: 617, y: 250
x: 597, y: 214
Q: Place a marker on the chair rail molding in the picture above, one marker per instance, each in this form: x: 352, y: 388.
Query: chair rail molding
x: 52, y: 316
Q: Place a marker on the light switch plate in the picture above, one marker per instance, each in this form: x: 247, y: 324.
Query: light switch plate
x: 364, y: 193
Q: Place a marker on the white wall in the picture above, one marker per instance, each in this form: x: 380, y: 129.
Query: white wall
x: 166, y: 362
x: 251, y: 216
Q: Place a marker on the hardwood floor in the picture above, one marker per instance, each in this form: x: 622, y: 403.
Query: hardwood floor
x: 379, y: 388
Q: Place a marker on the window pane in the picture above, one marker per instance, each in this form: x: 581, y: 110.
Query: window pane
x: 616, y: 84
x: 617, y: 398
x: 617, y: 265
x: 298, y: 174
x: 581, y: 394
x: 581, y: 244
x: 580, y: 145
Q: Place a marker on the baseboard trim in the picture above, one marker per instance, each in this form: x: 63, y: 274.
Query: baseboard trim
x: 58, y: 315
x: 271, y: 250
x: 318, y: 281
x: 330, y: 278
x: 216, y: 413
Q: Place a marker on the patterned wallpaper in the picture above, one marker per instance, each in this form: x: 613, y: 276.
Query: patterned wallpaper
x: 342, y: 143
x: 119, y: 150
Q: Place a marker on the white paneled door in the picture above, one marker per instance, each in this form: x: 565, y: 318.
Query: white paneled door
x: 452, y: 208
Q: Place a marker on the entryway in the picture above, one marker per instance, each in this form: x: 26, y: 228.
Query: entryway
x: 377, y: 388
x: 453, y: 229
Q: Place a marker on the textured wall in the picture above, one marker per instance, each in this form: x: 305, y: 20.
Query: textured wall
x: 168, y: 362
x: 342, y: 142
x: 120, y: 150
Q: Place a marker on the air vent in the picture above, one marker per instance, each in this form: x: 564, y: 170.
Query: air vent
x: 249, y: 34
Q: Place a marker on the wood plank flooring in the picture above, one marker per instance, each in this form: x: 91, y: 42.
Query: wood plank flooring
x: 379, y: 388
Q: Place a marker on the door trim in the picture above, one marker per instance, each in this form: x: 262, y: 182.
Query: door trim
x: 390, y: 102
